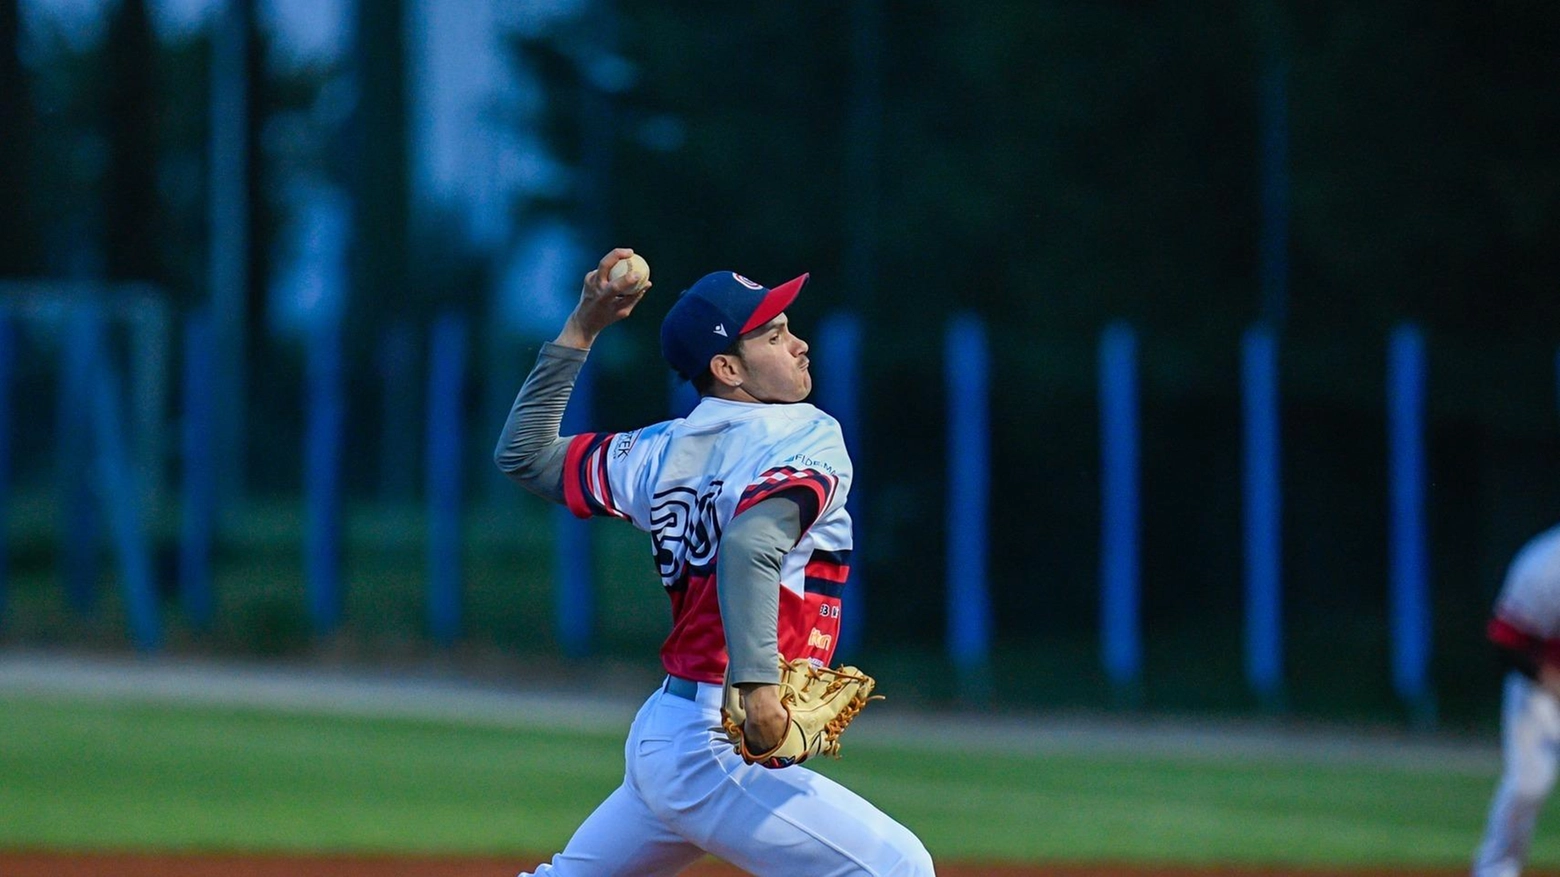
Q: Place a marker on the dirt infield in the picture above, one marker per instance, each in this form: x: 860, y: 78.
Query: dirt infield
x: 143, y: 865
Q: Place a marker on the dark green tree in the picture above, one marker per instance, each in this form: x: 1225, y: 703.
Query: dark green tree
x: 133, y: 214
x: 21, y: 243
x: 380, y: 182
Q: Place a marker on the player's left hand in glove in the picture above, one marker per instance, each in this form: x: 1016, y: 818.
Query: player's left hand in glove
x: 820, y: 704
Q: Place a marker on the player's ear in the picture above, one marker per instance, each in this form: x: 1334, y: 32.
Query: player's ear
x: 727, y: 369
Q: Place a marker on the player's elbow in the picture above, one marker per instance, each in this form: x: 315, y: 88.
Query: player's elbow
x: 506, y: 461
x: 520, y: 464
x: 517, y: 458
x: 538, y: 469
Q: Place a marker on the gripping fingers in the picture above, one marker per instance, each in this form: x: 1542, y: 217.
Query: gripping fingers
x: 613, y: 256
x: 624, y: 290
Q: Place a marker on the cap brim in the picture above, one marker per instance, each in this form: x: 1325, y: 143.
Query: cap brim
x: 778, y: 299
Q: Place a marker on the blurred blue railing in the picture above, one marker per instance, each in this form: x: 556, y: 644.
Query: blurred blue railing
x: 101, y: 488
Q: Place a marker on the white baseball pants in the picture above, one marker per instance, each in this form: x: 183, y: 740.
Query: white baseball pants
x: 1530, y: 742
x: 685, y: 793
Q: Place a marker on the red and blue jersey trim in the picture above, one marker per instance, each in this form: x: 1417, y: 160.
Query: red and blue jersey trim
x: 587, y: 490
x: 812, y: 490
x: 827, y: 572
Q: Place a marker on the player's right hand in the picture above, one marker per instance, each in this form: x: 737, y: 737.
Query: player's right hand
x: 602, y: 301
x: 767, y: 718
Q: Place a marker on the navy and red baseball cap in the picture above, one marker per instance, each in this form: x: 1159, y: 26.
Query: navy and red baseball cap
x: 714, y: 312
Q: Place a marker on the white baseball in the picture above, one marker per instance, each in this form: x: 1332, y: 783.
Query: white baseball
x: 634, y: 263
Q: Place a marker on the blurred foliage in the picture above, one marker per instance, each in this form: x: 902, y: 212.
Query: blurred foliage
x: 1055, y: 167
x: 20, y: 250
x: 133, y: 223
x: 1052, y: 167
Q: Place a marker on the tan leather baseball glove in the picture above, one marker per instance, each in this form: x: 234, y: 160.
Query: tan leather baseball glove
x: 820, y: 703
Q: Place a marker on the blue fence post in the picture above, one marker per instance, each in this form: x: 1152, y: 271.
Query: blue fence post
x: 8, y: 345
x: 1410, y: 598
x: 1264, y: 590
x: 969, y: 473
x: 572, y: 564
x: 838, y: 352
x: 121, y: 497
x: 322, y: 475
x: 200, y: 473
x: 1121, y: 635
x: 446, y: 394
x: 81, y: 522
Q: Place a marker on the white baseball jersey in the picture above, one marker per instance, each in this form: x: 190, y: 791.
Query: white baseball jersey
x: 1527, y: 613
x: 682, y: 481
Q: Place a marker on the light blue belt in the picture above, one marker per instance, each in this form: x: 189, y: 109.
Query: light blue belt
x: 686, y: 689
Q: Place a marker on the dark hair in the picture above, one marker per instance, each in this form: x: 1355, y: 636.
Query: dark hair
x: 704, y: 381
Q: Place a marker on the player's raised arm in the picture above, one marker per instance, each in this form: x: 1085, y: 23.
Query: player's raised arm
x: 530, y: 451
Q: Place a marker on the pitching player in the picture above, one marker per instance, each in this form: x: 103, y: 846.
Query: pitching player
x: 1526, y: 629
x: 744, y: 501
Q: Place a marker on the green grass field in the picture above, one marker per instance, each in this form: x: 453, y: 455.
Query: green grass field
x: 80, y: 774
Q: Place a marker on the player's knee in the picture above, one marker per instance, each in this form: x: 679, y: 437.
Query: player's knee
x: 1532, y: 788
x: 916, y: 861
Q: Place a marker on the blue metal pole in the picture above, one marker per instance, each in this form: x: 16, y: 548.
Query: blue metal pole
x: 1410, y: 600
x: 200, y: 470
x: 1120, y: 623
x: 1264, y: 593
x: 838, y: 353
x: 322, y: 483
x: 446, y: 392
x: 572, y: 566
x: 121, y: 498
x: 8, y: 345
x: 81, y: 524
x: 969, y: 473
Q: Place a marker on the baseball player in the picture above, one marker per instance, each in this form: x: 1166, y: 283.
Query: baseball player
x: 744, y: 501
x: 1526, y: 630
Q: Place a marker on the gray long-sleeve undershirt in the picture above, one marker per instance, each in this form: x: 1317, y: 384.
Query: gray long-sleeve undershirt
x: 747, y: 581
x: 747, y: 567
x: 530, y: 451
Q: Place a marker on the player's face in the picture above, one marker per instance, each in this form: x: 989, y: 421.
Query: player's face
x: 775, y: 363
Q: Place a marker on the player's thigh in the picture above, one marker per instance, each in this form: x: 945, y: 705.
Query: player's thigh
x: 798, y: 822
x: 621, y: 837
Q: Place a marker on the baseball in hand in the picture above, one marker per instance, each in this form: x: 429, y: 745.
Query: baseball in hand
x: 634, y: 263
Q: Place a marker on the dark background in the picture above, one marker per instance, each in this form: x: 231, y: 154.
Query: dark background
x: 1052, y: 167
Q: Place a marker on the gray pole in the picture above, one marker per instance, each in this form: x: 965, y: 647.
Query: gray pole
x: 229, y: 217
